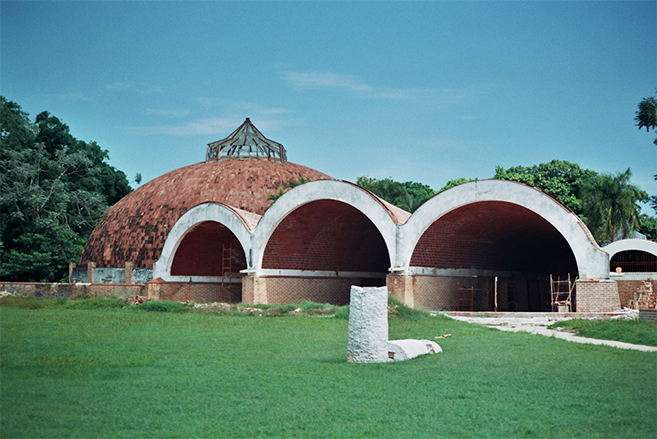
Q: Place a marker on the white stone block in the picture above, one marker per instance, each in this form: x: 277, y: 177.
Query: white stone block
x: 368, y: 325
x: 401, y: 350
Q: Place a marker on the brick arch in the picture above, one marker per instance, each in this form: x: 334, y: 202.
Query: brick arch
x: 535, y: 210
x: 497, y: 236
x: 203, y: 230
x: 201, y: 252
x: 383, y: 217
x: 326, y: 235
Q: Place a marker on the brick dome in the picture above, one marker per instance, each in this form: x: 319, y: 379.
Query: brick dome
x: 135, y: 228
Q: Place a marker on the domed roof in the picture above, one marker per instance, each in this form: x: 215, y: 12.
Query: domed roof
x: 135, y: 228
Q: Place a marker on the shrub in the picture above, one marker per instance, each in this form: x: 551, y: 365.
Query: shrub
x: 107, y: 302
x: 22, y: 302
x: 162, y: 306
x: 397, y: 309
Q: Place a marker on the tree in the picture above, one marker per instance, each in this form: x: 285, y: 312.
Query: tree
x: 610, y: 205
x: 646, y: 115
x: 648, y: 226
x: 289, y: 185
x: 53, y: 190
x: 561, y: 180
x: 408, y: 195
x: 456, y: 182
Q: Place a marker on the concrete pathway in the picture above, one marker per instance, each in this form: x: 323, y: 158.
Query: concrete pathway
x: 539, y: 325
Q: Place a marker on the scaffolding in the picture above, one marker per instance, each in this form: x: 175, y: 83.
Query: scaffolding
x: 465, y: 298
x: 562, y: 294
x: 226, y: 272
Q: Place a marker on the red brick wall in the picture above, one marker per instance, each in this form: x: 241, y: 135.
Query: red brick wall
x: 596, y: 295
x: 201, y: 252
x: 627, y: 290
x: 326, y: 235
x: 335, y: 291
x: 440, y: 292
x: 194, y: 292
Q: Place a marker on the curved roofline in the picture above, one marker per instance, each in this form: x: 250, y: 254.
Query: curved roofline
x: 592, y: 261
x: 364, y: 201
x: 228, y: 216
x: 631, y: 244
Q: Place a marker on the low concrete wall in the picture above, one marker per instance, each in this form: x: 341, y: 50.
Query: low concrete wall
x: 648, y: 315
x: 122, y: 291
x: 112, y: 275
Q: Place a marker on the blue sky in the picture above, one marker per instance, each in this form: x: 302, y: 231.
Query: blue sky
x: 413, y: 90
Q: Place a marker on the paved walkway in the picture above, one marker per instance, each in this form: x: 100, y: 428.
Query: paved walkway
x: 538, y: 324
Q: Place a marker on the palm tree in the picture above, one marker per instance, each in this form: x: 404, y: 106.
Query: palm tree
x: 610, y: 206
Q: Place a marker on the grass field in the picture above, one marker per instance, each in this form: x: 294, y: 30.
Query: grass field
x: 121, y: 373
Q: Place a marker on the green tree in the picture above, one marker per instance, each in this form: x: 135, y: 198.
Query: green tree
x: 451, y: 183
x: 53, y: 190
x: 561, y: 180
x: 408, y: 195
x: 646, y: 115
x: 648, y: 226
x: 610, y: 206
x: 289, y: 185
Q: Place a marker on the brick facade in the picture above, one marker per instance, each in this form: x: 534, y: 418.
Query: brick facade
x: 326, y: 235
x: 201, y: 252
x: 282, y: 290
x: 193, y: 291
x: 596, y: 295
x: 628, y: 289
x: 494, y: 235
x: 440, y: 292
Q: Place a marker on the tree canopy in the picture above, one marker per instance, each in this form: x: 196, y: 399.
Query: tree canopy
x: 646, y: 115
x: 53, y: 190
x: 408, y: 195
x: 560, y: 179
x: 610, y: 206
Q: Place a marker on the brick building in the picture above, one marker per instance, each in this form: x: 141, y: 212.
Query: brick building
x: 211, y: 231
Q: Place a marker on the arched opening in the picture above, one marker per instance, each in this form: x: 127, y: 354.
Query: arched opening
x: 211, y: 250
x: 322, y: 248
x: 491, y: 245
x: 633, y: 261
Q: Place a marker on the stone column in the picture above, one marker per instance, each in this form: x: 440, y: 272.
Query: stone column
x: 128, y: 272
x: 368, y: 325
x: 90, y: 272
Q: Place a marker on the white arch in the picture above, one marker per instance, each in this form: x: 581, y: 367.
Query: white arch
x: 347, y: 193
x: 592, y: 261
x: 216, y: 212
x: 631, y: 244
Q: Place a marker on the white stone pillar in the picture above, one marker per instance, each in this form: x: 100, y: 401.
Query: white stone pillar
x: 368, y: 325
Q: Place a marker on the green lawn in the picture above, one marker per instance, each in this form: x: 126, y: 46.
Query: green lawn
x: 128, y: 374
x: 637, y: 331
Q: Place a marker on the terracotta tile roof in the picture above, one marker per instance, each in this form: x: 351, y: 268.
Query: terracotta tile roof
x: 135, y: 228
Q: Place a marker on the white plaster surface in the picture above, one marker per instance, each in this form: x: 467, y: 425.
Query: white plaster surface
x: 368, y: 325
x: 407, y: 349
